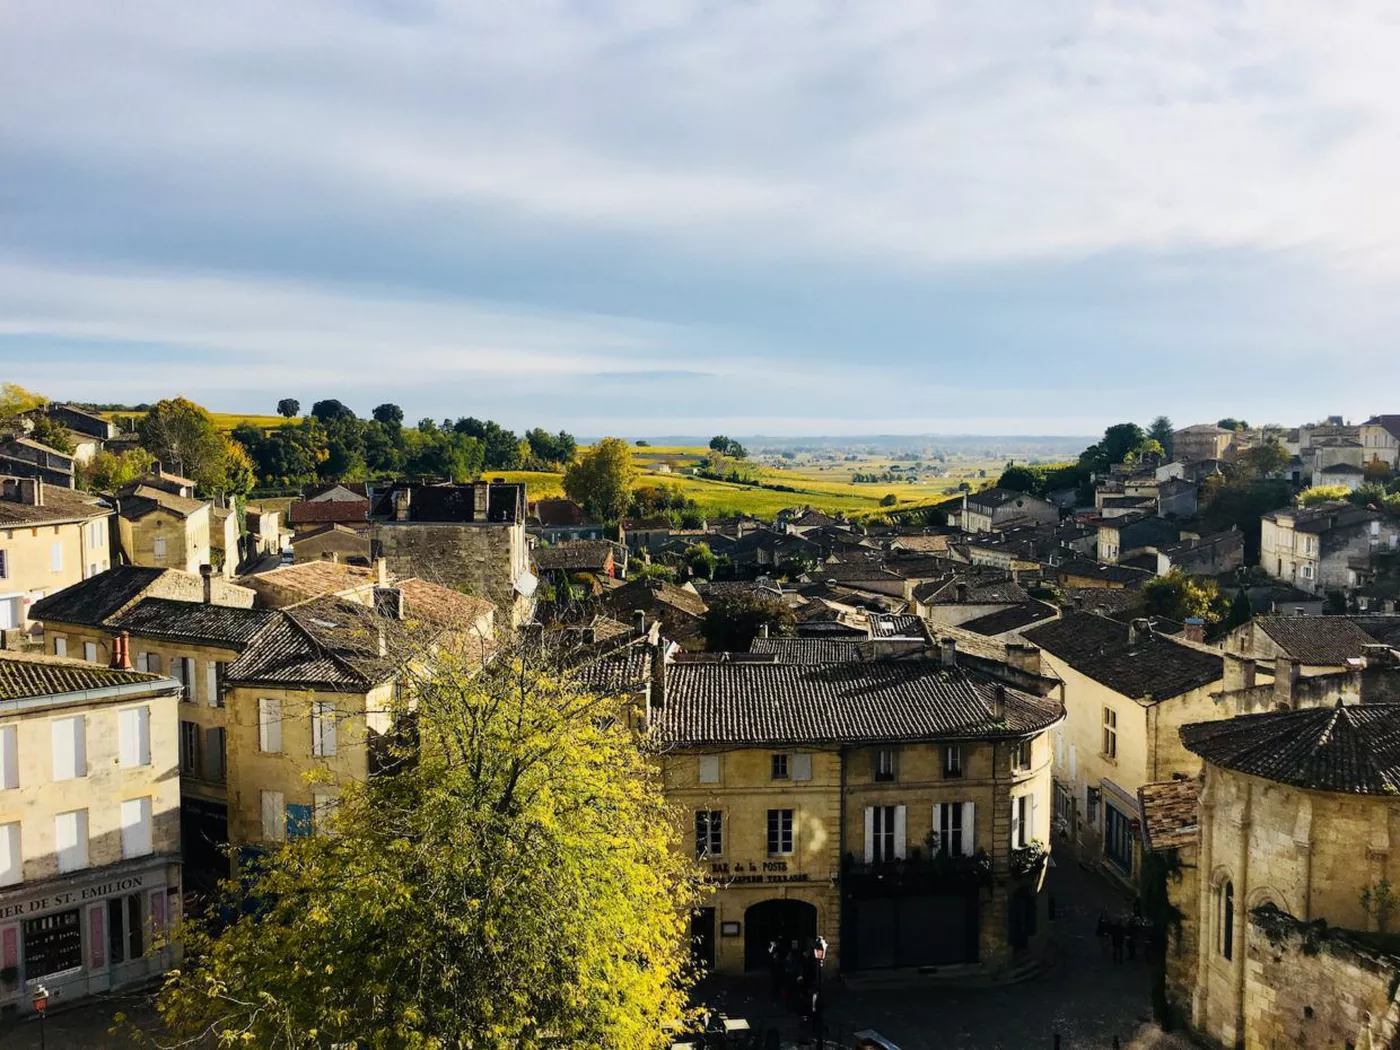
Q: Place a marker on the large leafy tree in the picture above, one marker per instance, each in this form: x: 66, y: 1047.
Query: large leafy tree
x: 388, y: 414
x: 331, y: 409
x: 15, y: 401
x: 1177, y: 596
x: 1160, y: 431
x: 182, y: 437
x: 731, y: 624
x: 516, y: 887
x: 601, y: 479
x: 289, y: 407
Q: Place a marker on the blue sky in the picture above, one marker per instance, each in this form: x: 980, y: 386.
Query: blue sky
x: 689, y: 216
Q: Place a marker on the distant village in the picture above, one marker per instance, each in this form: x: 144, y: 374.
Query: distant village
x: 1175, y: 662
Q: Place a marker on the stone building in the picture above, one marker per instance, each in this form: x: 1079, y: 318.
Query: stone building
x: 680, y: 609
x: 164, y: 530
x: 331, y: 541
x: 1127, y: 692
x: 997, y: 509
x: 1318, y: 549
x: 899, y: 808
x: 1298, y: 812
x: 89, y: 827
x: 1202, y: 441
x: 469, y: 537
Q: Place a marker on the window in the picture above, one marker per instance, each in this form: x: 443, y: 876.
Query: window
x: 214, y: 754
x: 53, y: 944
x: 709, y: 769
x: 884, y: 834
x: 11, y: 857
x: 9, y: 757
x: 1022, y: 820
x: 189, y: 748
x: 136, y: 827
x: 153, y: 663
x: 1118, y: 839
x: 298, y: 820
x: 134, y: 737
x: 323, y: 728
x: 1021, y: 757
x: 124, y: 928
x: 1305, y: 571
x: 1091, y: 806
x: 1227, y: 920
x: 952, y: 761
x: 158, y: 550
x: 779, y: 832
x: 1110, y: 733
x: 56, y: 555
x: 884, y: 764
x: 270, y: 725
x: 954, y: 828
x: 274, y: 817
x: 322, y: 810
x: 709, y: 834
x: 71, y: 840
x: 90, y: 652
x: 4, y: 566
x: 60, y: 647
x: 95, y: 534
x: 213, y: 675
x: 69, y: 747
x: 780, y: 767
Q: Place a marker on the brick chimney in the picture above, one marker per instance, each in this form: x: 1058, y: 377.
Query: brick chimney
x: 1195, y: 629
x: 1025, y: 658
x: 29, y: 491
x: 948, y: 651
x: 1285, y: 678
x: 206, y: 573
x: 999, y: 703
x: 1239, y: 672
x: 657, y: 695
x: 121, y: 652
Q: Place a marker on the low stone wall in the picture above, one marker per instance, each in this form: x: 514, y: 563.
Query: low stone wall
x: 1311, y: 985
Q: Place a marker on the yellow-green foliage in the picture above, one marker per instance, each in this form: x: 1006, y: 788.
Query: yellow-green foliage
x: 1323, y: 494
x: 519, y: 888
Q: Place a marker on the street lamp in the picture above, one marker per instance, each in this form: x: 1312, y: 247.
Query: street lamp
x: 41, y: 1007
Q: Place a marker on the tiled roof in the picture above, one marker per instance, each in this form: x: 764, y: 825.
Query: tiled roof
x: 315, y: 578
x: 144, y: 499
x: 1110, y: 600
x: 1324, y: 517
x: 991, y: 499
x: 638, y: 593
x: 1327, y: 640
x: 756, y: 704
x: 1352, y: 749
x: 1390, y: 423
x: 1151, y: 668
x: 93, y: 600
x: 1014, y: 618
x: 857, y: 571
x: 193, y: 621
x: 810, y: 650
x: 558, y: 512
x: 622, y: 668
x: 1087, y: 568
x: 815, y: 519
x: 441, y: 605
x: 573, y: 555
x: 1169, y: 819
x: 287, y: 654
x: 60, y: 504
x: 896, y: 625
x: 305, y: 512
x: 30, y: 675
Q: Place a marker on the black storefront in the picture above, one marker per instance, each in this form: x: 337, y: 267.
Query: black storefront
x: 911, y: 913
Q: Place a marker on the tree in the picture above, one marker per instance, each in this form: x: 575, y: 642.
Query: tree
x: 516, y: 886
x: 1230, y: 423
x: 15, y: 401
x: 731, y: 624
x: 1160, y: 431
x: 889, y: 499
x: 1323, y: 494
x: 727, y: 446
x: 388, y: 414
x: 1263, y: 460
x: 49, y: 432
x: 182, y: 437
x: 1019, y: 479
x: 331, y: 409
x: 289, y: 407
x: 107, y: 471
x: 1177, y: 596
x: 701, y: 561
x: 601, y: 479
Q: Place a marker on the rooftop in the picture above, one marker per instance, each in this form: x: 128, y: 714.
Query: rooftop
x: 143, y: 499
x: 998, y: 497
x: 1148, y: 668
x: 810, y: 650
x: 1011, y: 619
x: 571, y: 555
x: 314, y: 578
x: 634, y: 595
x: 1344, y: 749
x: 193, y: 621
x: 1326, y: 640
x: 92, y: 601
x: 25, y: 676
x: 60, y: 504
x: 306, y: 512
x: 442, y: 605
x: 1169, y: 819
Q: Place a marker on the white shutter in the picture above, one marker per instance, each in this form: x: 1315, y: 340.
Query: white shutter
x: 191, y: 678
x: 969, y: 828
x: 270, y: 725
x: 801, y: 767
x: 90, y: 652
x: 9, y: 757
x: 322, y: 806
x: 870, y: 834
x: 901, y: 832
x: 69, y: 748
x: 274, y: 817
x: 1032, y: 821
x: 709, y: 769
x: 211, y: 679
x: 136, y: 827
x: 11, y: 859
x: 1073, y: 764
x: 323, y: 728
x: 1015, y: 823
x: 1059, y: 747
x: 134, y: 736
x: 71, y: 840
x: 60, y: 647
x: 56, y: 556
x: 938, y: 826
x: 141, y: 662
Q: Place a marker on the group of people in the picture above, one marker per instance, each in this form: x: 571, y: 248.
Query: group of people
x: 1123, y: 932
x: 796, y: 973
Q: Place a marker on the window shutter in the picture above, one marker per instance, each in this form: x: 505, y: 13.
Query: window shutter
x: 323, y: 728
x: 1015, y: 823
x: 56, y: 556
x: 801, y: 767
x: 270, y: 725
x: 71, y: 840
x: 136, y: 827
x: 214, y: 753
x: 709, y: 769
x: 969, y: 829
x: 274, y: 817
x: 869, y: 834
x: 90, y: 652
x: 211, y: 681
x: 127, y: 754
x: 901, y: 832
x: 322, y: 806
x: 69, y: 760
x: 9, y: 757
x: 1031, y: 822
x: 11, y: 860
x: 60, y: 647
x: 1073, y: 763
x: 191, y: 678
x: 1059, y: 748
x: 140, y: 661
x: 938, y: 826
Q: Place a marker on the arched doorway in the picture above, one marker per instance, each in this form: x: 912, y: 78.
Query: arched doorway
x: 776, y: 920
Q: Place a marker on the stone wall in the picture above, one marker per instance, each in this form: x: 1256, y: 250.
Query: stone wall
x: 1310, y: 985
x: 481, y: 559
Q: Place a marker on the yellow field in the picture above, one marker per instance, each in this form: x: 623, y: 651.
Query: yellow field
x: 225, y: 421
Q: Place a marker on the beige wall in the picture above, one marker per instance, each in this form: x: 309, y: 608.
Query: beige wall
x: 186, y: 539
x: 29, y: 573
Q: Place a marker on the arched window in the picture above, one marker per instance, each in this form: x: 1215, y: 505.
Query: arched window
x: 1227, y: 920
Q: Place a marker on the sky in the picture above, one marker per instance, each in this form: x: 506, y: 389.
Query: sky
x: 699, y: 216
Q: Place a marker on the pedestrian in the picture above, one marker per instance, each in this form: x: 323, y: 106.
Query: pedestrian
x: 1115, y: 934
x: 775, y: 968
x: 1101, y: 932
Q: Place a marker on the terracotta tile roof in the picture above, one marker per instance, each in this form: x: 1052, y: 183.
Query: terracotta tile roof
x: 29, y: 675
x: 811, y: 650
x: 442, y: 605
x: 1346, y: 749
x: 144, y: 499
x: 315, y: 578
x: 1326, y: 640
x: 575, y: 555
x: 1169, y: 819
x: 193, y: 621
x: 748, y: 704
x: 556, y: 512
x: 60, y: 505
x: 639, y: 593
x: 1150, y: 668
x: 306, y: 512
x: 287, y: 654
x: 93, y: 600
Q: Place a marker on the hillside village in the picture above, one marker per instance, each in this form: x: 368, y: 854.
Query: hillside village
x: 1174, y: 662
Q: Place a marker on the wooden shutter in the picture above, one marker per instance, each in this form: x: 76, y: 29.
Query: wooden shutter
x: 801, y: 766
x: 69, y: 760
x: 136, y: 827
x: 1015, y: 823
x: 11, y: 859
x: 1032, y: 824
x: 969, y: 836
x: 938, y: 826
x: 323, y: 728
x: 274, y: 817
x: 71, y: 841
x: 214, y: 753
x: 60, y: 647
x: 869, y: 834
x: 270, y: 725
x: 133, y: 737
x: 191, y: 678
x: 90, y: 652
x: 1073, y: 763
x: 211, y: 681
x: 901, y: 832
x: 9, y: 757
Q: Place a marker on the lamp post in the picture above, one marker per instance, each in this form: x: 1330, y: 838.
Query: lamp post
x: 41, y: 1007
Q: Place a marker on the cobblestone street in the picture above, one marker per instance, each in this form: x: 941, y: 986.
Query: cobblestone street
x: 1083, y: 997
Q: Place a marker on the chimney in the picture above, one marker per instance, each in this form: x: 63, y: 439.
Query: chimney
x: 1239, y: 672
x: 381, y: 571
x: 1195, y: 629
x: 206, y: 575
x: 763, y: 630
x: 1139, y: 630
x: 403, y: 498
x: 1285, y: 678
x: 388, y: 602
x: 961, y: 590
x: 999, y: 703
x: 481, y: 500
x: 948, y: 651
x: 121, y: 652
x: 639, y: 623
x: 1024, y: 657
x: 658, y: 675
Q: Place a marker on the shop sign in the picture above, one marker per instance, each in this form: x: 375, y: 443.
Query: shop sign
x: 71, y: 898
